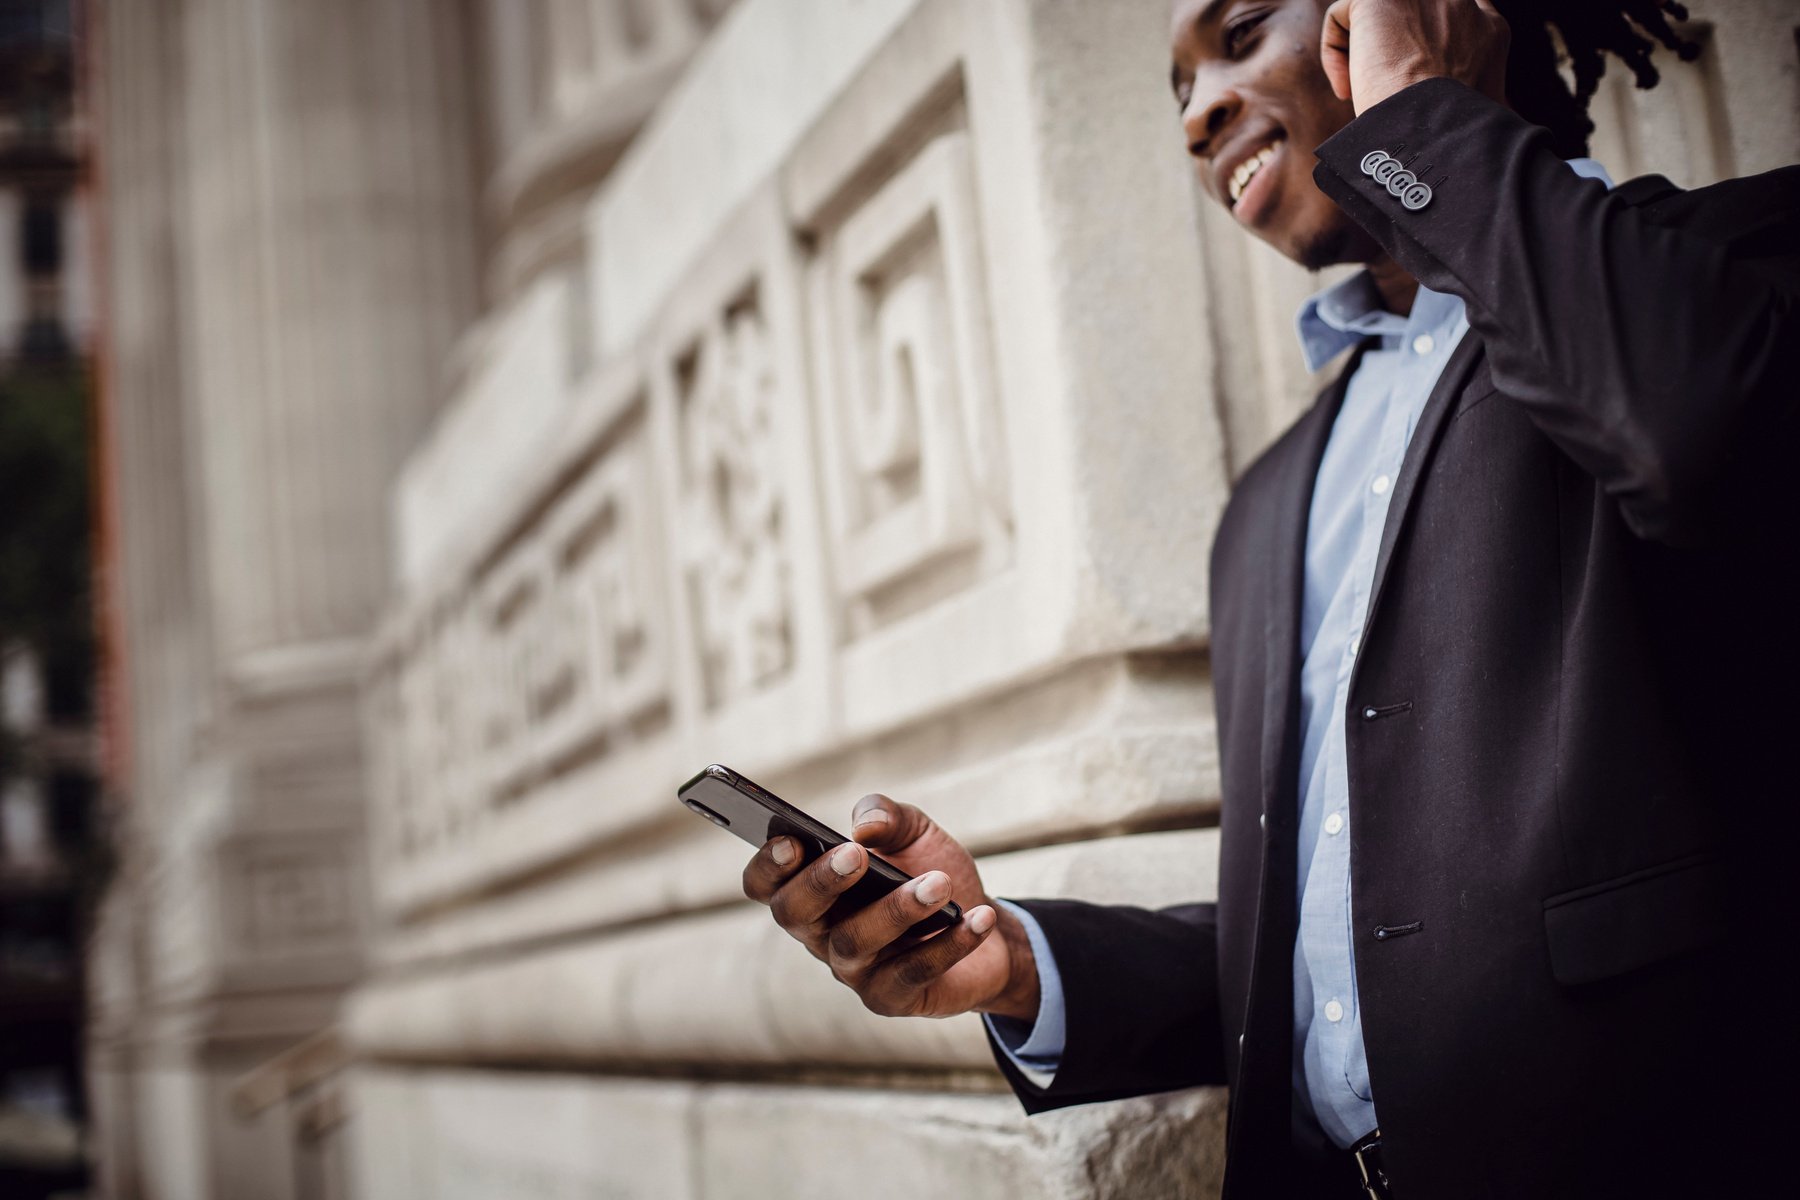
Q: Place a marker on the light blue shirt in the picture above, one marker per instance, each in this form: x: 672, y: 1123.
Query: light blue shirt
x: 1343, y: 534
x: 1350, y: 499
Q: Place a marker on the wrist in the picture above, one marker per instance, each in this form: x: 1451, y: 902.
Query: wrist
x: 1019, y: 996
x: 1391, y: 86
x: 1493, y: 89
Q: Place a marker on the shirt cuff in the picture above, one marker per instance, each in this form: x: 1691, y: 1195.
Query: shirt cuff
x: 1036, y: 1051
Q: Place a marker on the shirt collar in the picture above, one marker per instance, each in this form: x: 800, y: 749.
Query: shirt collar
x: 1589, y: 168
x: 1334, y: 319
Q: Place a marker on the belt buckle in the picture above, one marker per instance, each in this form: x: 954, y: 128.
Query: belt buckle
x: 1368, y: 1163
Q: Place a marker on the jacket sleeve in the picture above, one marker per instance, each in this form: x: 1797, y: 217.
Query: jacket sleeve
x: 1661, y: 361
x: 1142, y: 1002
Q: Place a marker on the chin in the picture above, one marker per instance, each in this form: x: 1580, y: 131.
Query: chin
x: 1331, y: 243
x: 1318, y: 252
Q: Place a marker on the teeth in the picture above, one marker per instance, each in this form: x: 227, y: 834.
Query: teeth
x: 1240, y: 178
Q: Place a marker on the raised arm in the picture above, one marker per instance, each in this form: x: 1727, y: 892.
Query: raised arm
x: 1658, y: 349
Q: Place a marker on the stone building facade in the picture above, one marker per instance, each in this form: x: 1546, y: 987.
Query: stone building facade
x: 515, y: 407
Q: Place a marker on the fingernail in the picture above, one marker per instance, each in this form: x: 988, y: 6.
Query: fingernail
x: 782, y: 852
x: 843, y: 859
x: 875, y: 816
x: 981, y: 920
x: 932, y: 888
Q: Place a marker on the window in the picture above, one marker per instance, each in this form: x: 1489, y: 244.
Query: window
x: 41, y: 233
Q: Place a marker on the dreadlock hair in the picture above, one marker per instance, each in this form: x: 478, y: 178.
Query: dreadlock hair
x: 1588, y: 30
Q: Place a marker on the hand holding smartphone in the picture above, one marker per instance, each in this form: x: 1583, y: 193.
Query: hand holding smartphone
x: 734, y: 803
x: 898, y: 940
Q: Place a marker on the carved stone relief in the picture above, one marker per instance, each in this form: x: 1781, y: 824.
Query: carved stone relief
x: 513, y: 608
x: 555, y: 649
x: 605, y: 554
x: 916, y: 455
x: 735, y: 557
x: 455, y: 707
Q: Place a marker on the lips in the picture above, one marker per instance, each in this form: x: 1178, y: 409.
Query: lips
x: 1235, y: 173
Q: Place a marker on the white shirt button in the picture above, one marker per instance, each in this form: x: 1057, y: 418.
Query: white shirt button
x: 1423, y: 344
x: 1355, y: 645
x: 1334, y: 824
x: 1380, y: 485
x: 1334, y: 1012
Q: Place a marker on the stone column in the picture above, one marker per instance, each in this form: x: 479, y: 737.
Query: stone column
x: 151, y: 576
x: 330, y: 227
x: 290, y: 256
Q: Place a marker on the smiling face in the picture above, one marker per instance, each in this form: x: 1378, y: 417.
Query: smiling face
x: 1255, y: 104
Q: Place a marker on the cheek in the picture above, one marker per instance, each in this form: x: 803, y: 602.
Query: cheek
x: 1305, y: 93
x: 1308, y: 219
x: 1300, y: 47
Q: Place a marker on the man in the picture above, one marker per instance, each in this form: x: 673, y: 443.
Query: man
x: 1502, y: 649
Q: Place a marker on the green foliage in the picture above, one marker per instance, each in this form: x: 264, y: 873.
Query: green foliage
x: 45, y: 525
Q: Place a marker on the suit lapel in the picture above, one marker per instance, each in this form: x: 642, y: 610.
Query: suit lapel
x: 1285, y: 535
x: 1432, y: 420
x: 1260, y: 1099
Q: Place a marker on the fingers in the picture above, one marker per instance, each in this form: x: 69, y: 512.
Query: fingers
x: 771, y: 867
x: 883, y: 824
x: 1334, y: 48
x: 900, y: 986
x: 800, y: 904
x: 855, y: 943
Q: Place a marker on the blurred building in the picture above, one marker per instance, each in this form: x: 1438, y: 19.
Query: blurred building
x: 515, y: 405
x: 46, y: 883
x: 47, y: 764
x: 45, y: 273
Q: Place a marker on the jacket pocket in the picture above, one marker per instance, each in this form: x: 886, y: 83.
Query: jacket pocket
x: 1610, y: 928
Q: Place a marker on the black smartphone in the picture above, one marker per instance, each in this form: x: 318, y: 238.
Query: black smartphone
x: 756, y: 814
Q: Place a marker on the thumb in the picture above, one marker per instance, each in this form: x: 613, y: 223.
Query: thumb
x: 884, y: 824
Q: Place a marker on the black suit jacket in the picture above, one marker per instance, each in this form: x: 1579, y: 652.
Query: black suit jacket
x: 1572, y: 723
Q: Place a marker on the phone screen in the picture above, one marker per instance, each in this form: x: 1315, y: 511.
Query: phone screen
x: 755, y: 814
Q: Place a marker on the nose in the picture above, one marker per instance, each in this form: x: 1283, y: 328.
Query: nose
x: 1209, y: 111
